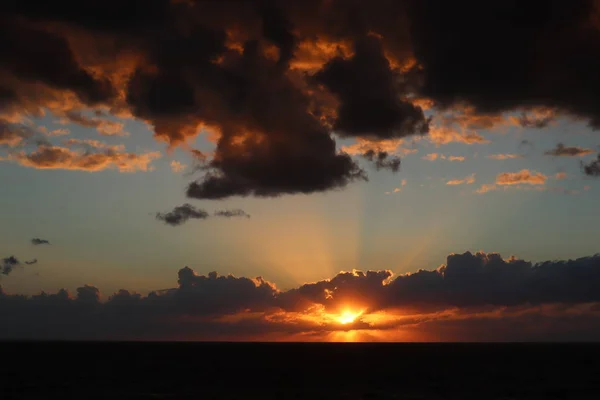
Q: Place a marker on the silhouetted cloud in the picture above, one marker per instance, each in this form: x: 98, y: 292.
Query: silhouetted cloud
x: 470, y: 71
x: 443, y: 302
x: 8, y: 264
x: 565, y: 151
x: 276, y: 82
x: 38, y: 241
x: 372, y: 105
x: 593, y: 167
x: 383, y: 160
x: 181, y: 214
x: 231, y: 213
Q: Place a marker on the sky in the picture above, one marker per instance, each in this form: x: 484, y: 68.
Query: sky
x: 310, y: 170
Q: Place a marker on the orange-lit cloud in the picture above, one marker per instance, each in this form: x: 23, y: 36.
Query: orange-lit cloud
x: 435, y: 156
x: 560, y: 176
x: 440, y: 135
x: 506, y: 156
x: 55, y: 157
x: 177, y: 166
x: 430, y: 157
x: 104, y: 127
x: 524, y: 176
x: 311, y: 55
x: 391, y: 146
x: 398, y: 189
x: 469, y: 180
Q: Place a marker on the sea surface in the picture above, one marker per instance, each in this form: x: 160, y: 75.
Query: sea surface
x: 114, y: 370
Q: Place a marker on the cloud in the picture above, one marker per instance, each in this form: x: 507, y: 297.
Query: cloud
x: 435, y: 156
x: 469, y: 180
x: 443, y: 135
x: 431, y: 157
x: 563, y: 151
x: 390, y: 146
x: 59, y: 132
x: 522, y: 177
x: 38, y: 241
x: 469, y: 290
x: 560, y: 176
x: 373, y: 105
x: 103, y: 126
x: 276, y: 86
x: 8, y: 264
x: 592, y: 168
x: 487, y: 187
x: 177, y: 166
x: 398, y: 189
x: 506, y: 156
x: 181, y: 214
x: 231, y: 213
x: 55, y: 157
x: 383, y: 160
x: 566, y: 85
x: 12, y: 135
x: 91, y: 144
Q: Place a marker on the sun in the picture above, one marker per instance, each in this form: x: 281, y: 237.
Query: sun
x: 348, y: 317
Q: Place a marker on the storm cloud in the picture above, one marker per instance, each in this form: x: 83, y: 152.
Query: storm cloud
x: 468, y: 290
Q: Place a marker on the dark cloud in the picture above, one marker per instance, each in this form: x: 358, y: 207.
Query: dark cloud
x: 41, y: 55
x: 232, y: 213
x: 38, y: 241
x: 539, y: 122
x: 565, y: 151
x: 593, y: 167
x: 370, y: 93
x: 465, y: 292
x: 8, y: 264
x: 181, y: 214
x: 383, y: 160
x: 274, y: 81
x: 547, y: 58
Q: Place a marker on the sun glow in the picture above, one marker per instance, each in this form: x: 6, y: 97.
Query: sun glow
x: 348, y: 317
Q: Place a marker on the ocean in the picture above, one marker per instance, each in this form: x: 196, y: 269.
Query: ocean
x: 117, y: 370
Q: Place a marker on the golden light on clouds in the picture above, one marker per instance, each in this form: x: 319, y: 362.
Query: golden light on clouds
x: 348, y: 316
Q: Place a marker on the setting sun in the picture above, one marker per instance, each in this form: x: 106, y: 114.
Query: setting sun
x: 347, y: 317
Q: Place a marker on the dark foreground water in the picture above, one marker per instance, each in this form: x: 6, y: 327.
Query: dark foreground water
x: 298, y: 371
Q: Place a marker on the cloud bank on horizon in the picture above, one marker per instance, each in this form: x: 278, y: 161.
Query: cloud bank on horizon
x: 477, y: 297
x: 276, y: 83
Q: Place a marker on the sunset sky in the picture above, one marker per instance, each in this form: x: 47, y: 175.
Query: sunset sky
x: 286, y: 142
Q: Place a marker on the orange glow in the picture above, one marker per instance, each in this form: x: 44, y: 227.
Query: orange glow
x: 348, y: 317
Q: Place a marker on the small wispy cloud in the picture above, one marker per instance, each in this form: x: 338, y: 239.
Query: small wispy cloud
x: 565, y: 151
x: 507, y: 156
x: 398, y: 189
x: 468, y: 180
x: 177, y: 167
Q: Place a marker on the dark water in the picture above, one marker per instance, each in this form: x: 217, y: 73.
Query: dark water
x: 298, y: 371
